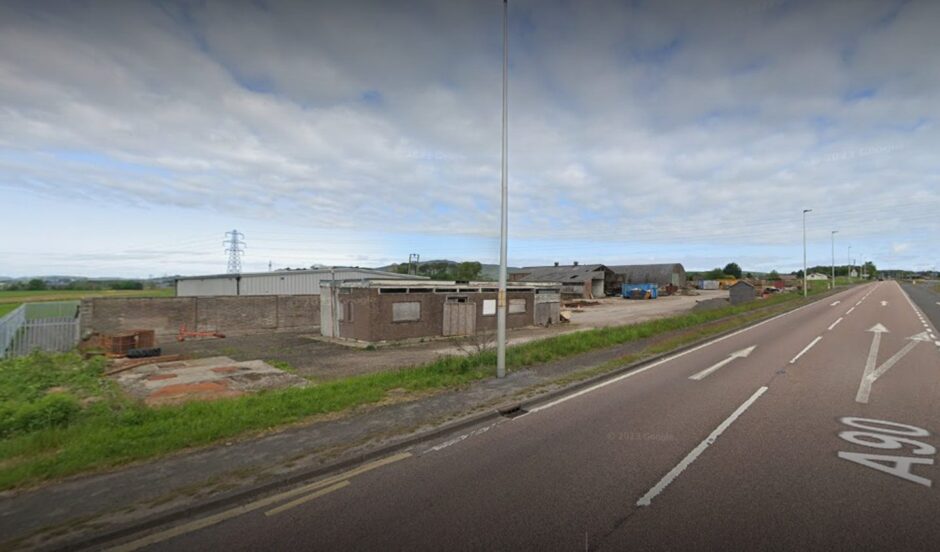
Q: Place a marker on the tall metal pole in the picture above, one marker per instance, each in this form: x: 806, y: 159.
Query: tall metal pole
x: 848, y: 262
x: 805, y: 291
x: 834, y: 232
x: 504, y: 210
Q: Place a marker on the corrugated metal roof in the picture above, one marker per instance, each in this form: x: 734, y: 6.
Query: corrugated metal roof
x: 371, y: 271
x: 564, y: 274
x: 649, y: 273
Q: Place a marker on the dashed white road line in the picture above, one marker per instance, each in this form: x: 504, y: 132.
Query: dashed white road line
x: 660, y: 362
x: 849, y: 311
x: 646, y: 499
x: 807, y: 348
x: 836, y: 323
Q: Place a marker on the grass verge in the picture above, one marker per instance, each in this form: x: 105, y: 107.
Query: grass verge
x: 58, y: 417
x: 6, y: 308
x: 17, y: 297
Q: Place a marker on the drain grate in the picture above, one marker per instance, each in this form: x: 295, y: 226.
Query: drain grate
x: 512, y: 411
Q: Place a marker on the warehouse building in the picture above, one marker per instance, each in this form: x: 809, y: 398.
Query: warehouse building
x: 660, y: 274
x: 392, y: 310
x: 282, y: 282
x: 591, y: 281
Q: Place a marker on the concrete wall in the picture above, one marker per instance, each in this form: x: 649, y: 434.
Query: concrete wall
x: 235, y: 315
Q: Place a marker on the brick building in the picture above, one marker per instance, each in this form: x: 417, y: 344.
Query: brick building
x: 392, y: 310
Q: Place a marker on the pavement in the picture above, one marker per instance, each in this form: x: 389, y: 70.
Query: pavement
x: 814, y: 430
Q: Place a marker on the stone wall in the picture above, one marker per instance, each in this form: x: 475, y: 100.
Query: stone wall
x: 231, y: 315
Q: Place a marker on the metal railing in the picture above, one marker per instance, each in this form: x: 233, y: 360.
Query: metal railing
x: 52, y: 327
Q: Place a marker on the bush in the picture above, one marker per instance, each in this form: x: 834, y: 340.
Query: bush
x: 53, y: 410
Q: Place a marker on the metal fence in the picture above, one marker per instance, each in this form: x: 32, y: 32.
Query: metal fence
x: 50, y: 327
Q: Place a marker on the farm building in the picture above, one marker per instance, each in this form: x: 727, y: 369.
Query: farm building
x: 392, y: 310
x: 591, y: 281
x: 741, y: 292
x: 659, y: 274
x: 816, y: 277
x: 282, y: 282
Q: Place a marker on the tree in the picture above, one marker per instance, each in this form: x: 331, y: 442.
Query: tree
x: 715, y: 274
x: 773, y: 276
x: 732, y: 269
x: 467, y: 271
x: 36, y: 285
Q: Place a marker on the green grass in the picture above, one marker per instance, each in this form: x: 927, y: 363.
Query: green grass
x: 88, y: 425
x: 16, y: 297
x: 6, y: 308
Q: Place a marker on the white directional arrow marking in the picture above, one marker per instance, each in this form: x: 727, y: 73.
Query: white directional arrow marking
x: 884, y: 303
x: 869, y: 379
x: 837, y: 302
x: 743, y: 353
x: 864, y: 388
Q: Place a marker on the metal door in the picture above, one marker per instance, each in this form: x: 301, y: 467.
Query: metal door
x: 460, y: 318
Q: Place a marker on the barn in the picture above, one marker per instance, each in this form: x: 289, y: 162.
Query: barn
x: 280, y: 282
x: 660, y: 274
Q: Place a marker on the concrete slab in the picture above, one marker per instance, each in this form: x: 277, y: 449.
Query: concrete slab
x: 203, y: 379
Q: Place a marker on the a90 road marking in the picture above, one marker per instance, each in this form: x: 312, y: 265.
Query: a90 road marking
x: 882, y: 434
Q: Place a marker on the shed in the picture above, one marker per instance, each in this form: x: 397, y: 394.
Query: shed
x: 659, y: 274
x: 591, y: 281
x: 280, y: 282
x: 393, y: 310
x: 742, y: 292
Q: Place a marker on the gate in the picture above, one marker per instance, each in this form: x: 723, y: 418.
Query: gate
x: 50, y: 327
x: 460, y: 318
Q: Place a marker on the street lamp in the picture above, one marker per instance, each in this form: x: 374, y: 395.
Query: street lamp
x: 834, y: 232
x: 848, y: 261
x: 504, y: 214
x: 805, y: 291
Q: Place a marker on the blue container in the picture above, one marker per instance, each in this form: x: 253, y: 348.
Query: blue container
x: 627, y: 290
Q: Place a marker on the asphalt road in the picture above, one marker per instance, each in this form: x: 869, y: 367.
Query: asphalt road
x: 786, y: 446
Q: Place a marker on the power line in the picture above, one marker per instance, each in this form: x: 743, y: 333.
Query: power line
x: 235, y: 247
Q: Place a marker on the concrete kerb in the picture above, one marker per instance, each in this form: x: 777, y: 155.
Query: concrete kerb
x: 237, y: 496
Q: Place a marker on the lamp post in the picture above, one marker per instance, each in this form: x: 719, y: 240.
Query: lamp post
x: 848, y: 261
x: 504, y: 214
x: 834, y: 232
x: 805, y: 291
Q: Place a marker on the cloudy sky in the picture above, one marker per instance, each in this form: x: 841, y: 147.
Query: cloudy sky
x: 134, y: 134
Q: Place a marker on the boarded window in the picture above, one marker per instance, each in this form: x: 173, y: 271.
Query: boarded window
x: 516, y: 306
x: 406, y: 312
x: 489, y: 307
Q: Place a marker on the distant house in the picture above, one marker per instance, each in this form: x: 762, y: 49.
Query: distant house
x: 659, y: 274
x: 591, y: 281
x: 741, y: 292
x: 816, y: 276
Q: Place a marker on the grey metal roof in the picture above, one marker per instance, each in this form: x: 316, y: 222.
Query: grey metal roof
x: 649, y: 272
x: 327, y: 270
x: 563, y: 274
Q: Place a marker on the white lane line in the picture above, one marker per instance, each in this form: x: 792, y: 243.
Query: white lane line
x: 662, y: 361
x: 859, y: 303
x: 646, y: 499
x: 808, y: 347
x: 837, y: 302
x: 849, y: 311
x: 743, y: 353
x: 836, y: 323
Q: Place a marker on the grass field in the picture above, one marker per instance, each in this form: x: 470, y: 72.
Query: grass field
x: 58, y: 417
x: 9, y: 300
